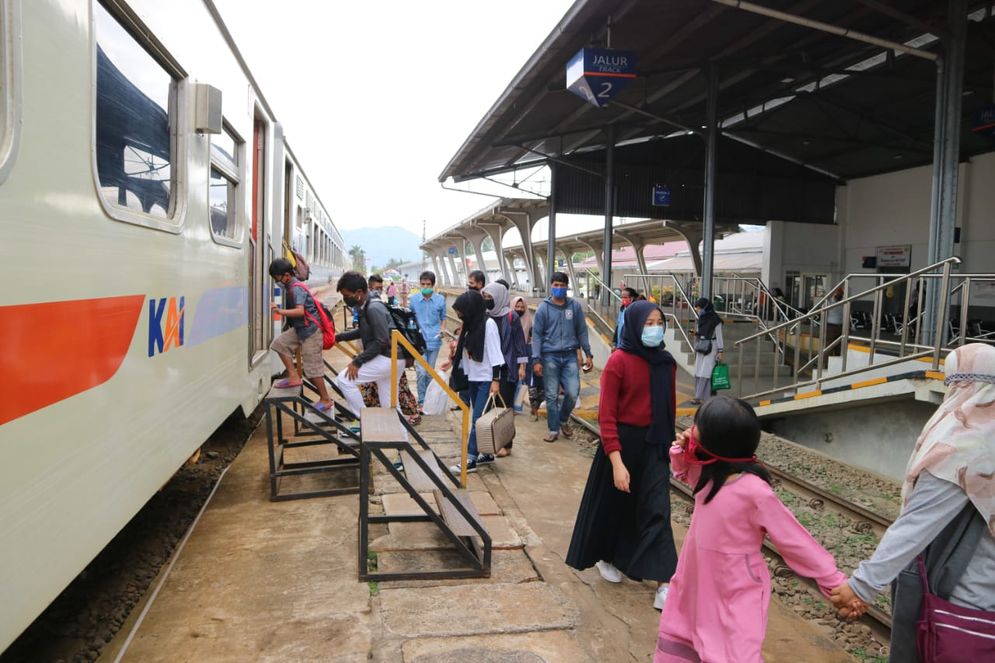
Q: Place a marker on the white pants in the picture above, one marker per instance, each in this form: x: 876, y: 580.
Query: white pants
x: 376, y: 370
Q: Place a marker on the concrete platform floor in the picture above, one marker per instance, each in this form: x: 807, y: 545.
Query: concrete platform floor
x: 264, y: 581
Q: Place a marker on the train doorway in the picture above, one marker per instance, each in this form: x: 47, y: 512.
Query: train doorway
x: 258, y: 296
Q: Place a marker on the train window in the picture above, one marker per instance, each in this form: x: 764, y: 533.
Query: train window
x: 223, y: 187
x: 135, y: 114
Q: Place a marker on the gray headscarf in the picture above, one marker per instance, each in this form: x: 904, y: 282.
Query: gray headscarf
x: 502, y: 301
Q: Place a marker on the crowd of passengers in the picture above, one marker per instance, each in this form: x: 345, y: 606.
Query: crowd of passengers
x: 714, y: 595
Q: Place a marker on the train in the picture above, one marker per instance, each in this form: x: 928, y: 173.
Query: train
x: 145, y: 185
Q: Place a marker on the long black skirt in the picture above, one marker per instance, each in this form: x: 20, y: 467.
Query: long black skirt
x: 630, y: 530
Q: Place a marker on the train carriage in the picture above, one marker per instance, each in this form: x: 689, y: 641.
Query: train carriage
x: 144, y: 187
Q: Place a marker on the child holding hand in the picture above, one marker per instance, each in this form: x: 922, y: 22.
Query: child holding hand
x: 716, y: 609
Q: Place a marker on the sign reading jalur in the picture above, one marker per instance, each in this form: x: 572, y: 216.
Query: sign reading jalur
x: 597, y: 75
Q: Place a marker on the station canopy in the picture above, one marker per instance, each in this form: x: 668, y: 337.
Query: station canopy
x: 800, y: 110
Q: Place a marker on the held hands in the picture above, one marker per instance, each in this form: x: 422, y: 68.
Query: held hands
x: 847, y: 605
x: 495, y: 388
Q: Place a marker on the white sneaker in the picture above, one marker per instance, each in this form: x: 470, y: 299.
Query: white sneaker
x: 609, y: 572
x: 661, y: 596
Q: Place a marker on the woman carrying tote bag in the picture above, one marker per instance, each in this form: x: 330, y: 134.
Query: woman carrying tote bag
x: 948, y: 514
x: 513, y: 347
x: 478, y: 354
x: 623, y: 524
x: 707, y: 349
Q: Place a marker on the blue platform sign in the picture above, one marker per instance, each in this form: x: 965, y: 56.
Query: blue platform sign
x: 984, y: 122
x: 597, y: 75
x: 661, y: 195
x: 452, y: 250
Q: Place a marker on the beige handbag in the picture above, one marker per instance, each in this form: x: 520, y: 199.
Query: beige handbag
x: 495, y: 427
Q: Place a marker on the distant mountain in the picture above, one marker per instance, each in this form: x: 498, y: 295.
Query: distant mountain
x: 382, y: 244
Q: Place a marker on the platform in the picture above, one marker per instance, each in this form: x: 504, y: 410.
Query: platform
x: 259, y: 580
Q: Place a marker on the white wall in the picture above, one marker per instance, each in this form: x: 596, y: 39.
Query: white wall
x: 894, y: 208
x: 801, y: 247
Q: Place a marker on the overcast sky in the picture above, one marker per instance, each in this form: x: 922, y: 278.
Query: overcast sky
x: 376, y: 97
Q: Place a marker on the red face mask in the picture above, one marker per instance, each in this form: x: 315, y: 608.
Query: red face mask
x: 626, y: 301
x: 694, y: 446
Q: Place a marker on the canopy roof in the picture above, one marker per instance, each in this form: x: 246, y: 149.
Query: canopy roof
x: 840, y: 107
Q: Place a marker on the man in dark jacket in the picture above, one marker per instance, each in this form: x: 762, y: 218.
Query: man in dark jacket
x: 372, y: 364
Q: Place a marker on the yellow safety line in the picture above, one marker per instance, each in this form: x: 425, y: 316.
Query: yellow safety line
x: 762, y: 403
x: 936, y: 375
x: 810, y: 394
x: 395, y: 338
x: 868, y: 383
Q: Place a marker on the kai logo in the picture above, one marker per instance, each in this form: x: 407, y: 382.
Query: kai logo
x: 165, y: 324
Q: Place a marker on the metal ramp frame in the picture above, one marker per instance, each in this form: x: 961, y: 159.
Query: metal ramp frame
x: 382, y: 430
x: 326, y: 430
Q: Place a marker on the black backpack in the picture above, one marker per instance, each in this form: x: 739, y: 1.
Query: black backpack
x: 406, y: 322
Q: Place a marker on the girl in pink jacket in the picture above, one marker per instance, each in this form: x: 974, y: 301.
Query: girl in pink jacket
x: 716, y: 609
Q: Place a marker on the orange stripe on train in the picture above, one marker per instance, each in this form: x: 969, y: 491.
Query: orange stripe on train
x: 55, y: 350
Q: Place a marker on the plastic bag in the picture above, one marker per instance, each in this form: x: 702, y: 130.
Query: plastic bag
x: 436, y: 398
x: 720, y: 377
x: 521, y: 395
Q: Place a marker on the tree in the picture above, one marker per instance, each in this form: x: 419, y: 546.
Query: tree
x: 358, y: 256
x: 393, y: 263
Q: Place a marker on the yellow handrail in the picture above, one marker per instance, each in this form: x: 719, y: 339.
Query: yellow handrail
x: 397, y: 337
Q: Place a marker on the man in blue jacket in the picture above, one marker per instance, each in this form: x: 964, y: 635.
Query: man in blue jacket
x: 558, y: 330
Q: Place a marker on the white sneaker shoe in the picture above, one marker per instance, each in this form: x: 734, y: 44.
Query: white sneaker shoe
x: 609, y: 572
x: 661, y: 596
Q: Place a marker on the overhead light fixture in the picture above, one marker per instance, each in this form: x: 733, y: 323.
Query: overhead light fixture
x: 787, y: 79
x: 899, y: 156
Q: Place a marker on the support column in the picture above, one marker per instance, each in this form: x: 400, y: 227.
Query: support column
x: 509, y: 258
x: 551, y: 236
x: 609, y: 209
x: 708, y: 216
x: 639, y: 247
x: 567, y: 255
x: 476, y: 238
x: 525, y: 222
x: 495, y: 231
x: 692, y: 235
x: 946, y: 155
x: 439, y: 275
x: 599, y: 258
x: 453, y: 274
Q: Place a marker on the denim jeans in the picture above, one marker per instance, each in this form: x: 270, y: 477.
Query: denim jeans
x: 477, y: 399
x: 560, y: 368
x: 424, y: 379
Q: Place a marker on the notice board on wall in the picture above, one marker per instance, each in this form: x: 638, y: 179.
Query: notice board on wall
x: 894, y: 256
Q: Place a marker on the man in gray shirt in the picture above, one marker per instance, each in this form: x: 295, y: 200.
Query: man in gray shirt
x: 559, y: 329
x: 373, y: 363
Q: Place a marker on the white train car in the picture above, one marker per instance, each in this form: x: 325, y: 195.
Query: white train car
x: 135, y: 316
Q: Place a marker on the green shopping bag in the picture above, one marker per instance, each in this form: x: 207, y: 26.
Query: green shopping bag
x: 720, y: 377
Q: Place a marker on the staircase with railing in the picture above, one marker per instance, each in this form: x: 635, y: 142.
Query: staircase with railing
x: 885, y: 332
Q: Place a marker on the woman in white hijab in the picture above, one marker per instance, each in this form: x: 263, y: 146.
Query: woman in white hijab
x: 513, y: 346
x: 948, y: 510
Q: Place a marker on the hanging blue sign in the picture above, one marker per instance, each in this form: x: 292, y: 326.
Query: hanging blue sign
x: 597, y: 75
x: 984, y: 122
x: 452, y: 250
x: 661, y: 195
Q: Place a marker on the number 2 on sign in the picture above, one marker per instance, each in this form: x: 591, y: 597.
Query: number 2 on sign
x: 606, y: 89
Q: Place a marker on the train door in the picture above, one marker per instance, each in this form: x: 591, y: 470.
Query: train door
x: 258, y: 300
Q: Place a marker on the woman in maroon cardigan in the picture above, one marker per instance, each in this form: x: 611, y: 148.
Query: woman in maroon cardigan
x: 623, y: 525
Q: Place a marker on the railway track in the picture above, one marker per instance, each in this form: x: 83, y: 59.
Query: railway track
x: 877, y: 619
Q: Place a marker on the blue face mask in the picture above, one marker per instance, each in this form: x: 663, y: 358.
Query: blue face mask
x: 652, y: 337
x: 559, y: 293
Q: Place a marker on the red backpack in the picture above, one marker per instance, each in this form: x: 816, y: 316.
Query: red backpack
x: 324, y: 322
